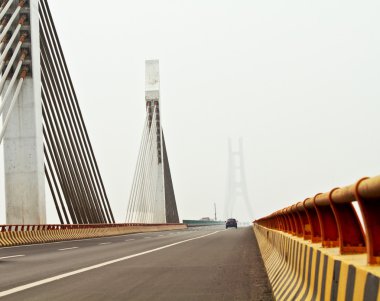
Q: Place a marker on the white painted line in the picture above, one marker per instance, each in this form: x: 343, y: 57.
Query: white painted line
x: 72, y: 248
x: 105, y: 243
x: 13, y: 256
x: 129, y: 239
x: 96, y: 266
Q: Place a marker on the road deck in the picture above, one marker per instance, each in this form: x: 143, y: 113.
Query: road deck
x: 205, y: 263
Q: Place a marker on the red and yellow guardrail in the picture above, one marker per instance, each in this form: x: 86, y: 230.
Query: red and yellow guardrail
x: 325, y: 247
x: 12, y: 235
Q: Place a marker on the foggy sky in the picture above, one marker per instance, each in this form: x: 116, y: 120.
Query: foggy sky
x: 297, y: 80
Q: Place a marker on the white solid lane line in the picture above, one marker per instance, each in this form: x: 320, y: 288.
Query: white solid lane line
x: 96, y: 266
x: 72, y: 248
x: 105, y: 243
x: 13, y: 256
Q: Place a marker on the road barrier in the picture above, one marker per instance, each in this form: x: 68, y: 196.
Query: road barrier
x: 199, y: 223
x: 319, y: 249
x: 12, y: 235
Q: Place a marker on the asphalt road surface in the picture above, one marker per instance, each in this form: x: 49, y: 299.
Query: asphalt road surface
x: 205, y: 263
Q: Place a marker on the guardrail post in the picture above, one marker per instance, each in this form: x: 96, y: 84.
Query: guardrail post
x: 306, y: 230
x: 290, y: 219
x: 288, y: 225
x: 280, y: 221
x: 329, y: 229
x: 297, y: 221
x: 370, y: 209
x: 315, y: 228
x: 351, y: 235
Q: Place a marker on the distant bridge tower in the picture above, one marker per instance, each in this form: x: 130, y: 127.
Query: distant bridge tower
x: 237, y: 187
x: 152, y: 198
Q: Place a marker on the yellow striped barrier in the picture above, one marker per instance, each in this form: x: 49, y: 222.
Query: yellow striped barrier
x: 301, y: 270
x: 12, y: 235
x: 326, y: 247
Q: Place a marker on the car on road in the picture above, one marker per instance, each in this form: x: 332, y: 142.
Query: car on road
x: 231, y: 222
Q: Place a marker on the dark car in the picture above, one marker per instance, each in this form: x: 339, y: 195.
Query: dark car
x: 231, y: 222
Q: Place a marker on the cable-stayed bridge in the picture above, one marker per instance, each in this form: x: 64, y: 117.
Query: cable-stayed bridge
x: 320, y: 249
x: 43, y: 131
x: 54, y: 143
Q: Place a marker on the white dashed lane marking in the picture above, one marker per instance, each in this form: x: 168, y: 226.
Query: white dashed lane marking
x: 13, y: 256
x: 72, y: 248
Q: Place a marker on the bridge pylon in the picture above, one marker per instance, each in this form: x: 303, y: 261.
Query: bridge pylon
x: 43, y: 132
x: 20, y: 86
x: 236, y: 186
x: 152, y: 198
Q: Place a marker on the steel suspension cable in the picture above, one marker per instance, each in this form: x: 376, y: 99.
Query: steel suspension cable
x: 84, y: 208
x: 54, y: 197
x: 11, y: 83
x: 141, y: 173
x: 11, y: 61
x: 5, y: 8
x: 54, y: 186
x: 131, y: 203
x: 12, y: 104
x: 143, y: 194
x: 2, y: 25
x: 54, y: 147
x: 12, y: 18
x: 77, y: 111
x: 148, y: 194
x: 69, y: 153
x: 62, y: 176
x: 153, y: 175
x: 10, y: 42
x: 71, y: 131
x: 67, y: 135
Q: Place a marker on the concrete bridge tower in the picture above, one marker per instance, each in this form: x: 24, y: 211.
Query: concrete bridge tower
x: 22, y: 117
x: 237, y: 186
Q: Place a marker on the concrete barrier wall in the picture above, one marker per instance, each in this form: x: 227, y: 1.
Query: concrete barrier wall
x: 24, y: 237
x: 301, y: 270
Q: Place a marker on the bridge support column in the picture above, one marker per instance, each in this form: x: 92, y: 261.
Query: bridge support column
x: 23, y: 142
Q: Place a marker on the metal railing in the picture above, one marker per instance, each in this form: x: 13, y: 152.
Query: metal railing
x: 331, y: 219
